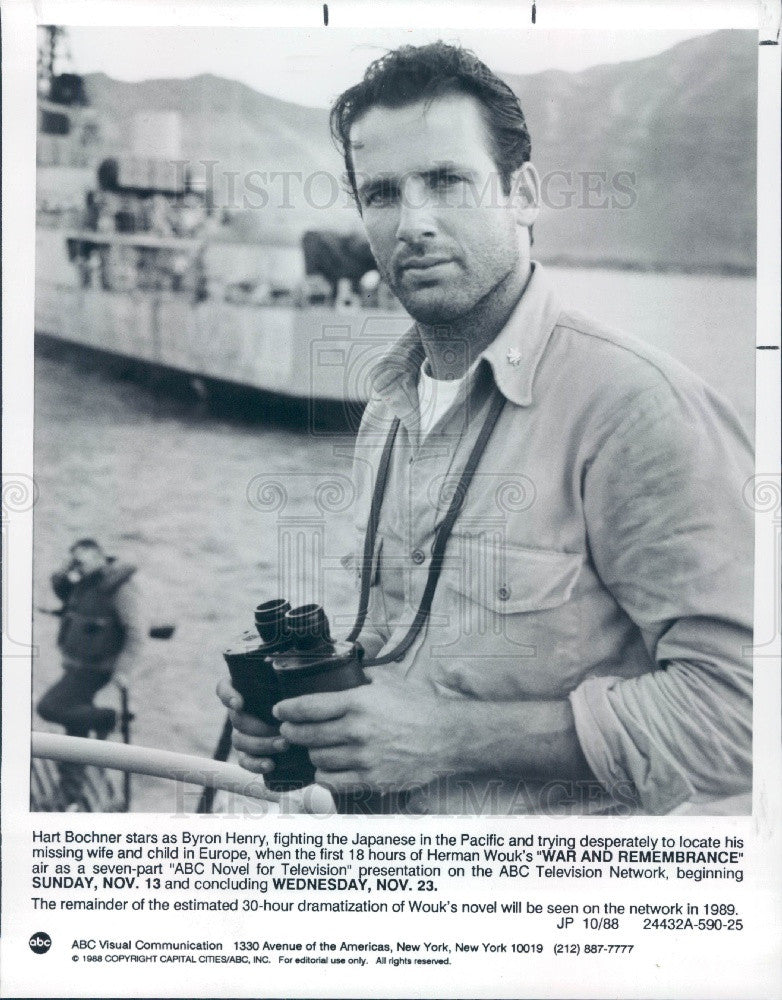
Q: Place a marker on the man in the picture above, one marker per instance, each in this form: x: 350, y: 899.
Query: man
x: 99, y: 637
x: 587, y: 644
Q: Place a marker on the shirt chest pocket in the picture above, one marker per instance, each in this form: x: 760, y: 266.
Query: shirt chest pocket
x: 505, y: 622
x: 509, y: 579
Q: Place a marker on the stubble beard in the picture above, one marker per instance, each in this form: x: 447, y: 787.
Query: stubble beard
x: 438, y: 308
x: 448, y: 316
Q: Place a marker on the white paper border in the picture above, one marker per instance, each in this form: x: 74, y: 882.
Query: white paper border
x: 18, y: 66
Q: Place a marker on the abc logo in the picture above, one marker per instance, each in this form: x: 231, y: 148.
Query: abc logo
x: 40, y: 943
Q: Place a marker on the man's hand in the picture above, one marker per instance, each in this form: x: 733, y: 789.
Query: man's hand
x: 255, y: 742
x: 386, y: 735
x: 122, y: 670
x: 121, y: 677
x: 400, y: 733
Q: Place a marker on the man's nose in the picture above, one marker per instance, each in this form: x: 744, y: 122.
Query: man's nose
x: 417, y: 219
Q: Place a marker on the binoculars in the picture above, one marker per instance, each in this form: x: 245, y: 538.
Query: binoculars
x: 291, y: 654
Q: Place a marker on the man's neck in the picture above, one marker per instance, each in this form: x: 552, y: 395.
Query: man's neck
x: 452, y: 348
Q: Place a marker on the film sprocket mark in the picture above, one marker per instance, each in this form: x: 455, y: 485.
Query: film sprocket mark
x: 292, y: 655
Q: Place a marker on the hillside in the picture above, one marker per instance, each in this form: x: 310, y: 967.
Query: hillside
x: 672, y: 136
x: 684, y: 122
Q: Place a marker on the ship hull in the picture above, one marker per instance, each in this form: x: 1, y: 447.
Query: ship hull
x: 315, y: 353
x: 202, y: 394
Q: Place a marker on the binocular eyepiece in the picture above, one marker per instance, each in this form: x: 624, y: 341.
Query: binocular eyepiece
x: 270, y: 619
x: 306, y: 626
x: 294, y: 655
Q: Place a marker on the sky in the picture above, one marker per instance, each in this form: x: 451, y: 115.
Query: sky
x: 312, y: 67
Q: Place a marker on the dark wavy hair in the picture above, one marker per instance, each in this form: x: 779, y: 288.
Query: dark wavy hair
x: 423, y: 73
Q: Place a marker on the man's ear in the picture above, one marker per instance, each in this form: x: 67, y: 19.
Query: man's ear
x: 525, y: 194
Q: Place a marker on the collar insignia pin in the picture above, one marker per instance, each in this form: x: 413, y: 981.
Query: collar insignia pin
x: 513, y: 356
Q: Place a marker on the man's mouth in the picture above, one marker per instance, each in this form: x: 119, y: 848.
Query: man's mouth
x: 423, y: 263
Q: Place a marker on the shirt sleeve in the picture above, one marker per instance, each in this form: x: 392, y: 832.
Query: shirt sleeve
x: 672, y: 539
x: 61, y: 585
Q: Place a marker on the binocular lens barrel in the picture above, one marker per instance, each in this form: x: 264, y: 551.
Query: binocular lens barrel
x: 308, y: 625
x: 270, y: 619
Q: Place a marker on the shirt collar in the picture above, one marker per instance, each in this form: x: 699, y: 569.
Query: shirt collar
x: 513, y: 355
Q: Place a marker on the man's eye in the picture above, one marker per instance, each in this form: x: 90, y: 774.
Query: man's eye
x: 447, y: 180
x: 380, y: 196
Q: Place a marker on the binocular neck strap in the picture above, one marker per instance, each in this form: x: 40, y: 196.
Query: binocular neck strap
x: 441, y: 536
x: 371, y: 532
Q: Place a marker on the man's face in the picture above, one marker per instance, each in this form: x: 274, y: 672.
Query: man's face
x: 443, y: 232
x: 86, y: 560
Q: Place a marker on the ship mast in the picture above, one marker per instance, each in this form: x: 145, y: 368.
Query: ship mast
x: 54, y: 58
x: 49, y: 36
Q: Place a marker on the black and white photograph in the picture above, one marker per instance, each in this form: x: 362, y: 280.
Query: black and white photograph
x: 400, y: 408
x: 531, y: 281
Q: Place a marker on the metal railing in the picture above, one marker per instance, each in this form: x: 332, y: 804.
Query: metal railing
x: 180, y: 767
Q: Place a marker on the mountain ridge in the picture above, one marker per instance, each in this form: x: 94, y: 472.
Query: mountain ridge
x: 666, y: 142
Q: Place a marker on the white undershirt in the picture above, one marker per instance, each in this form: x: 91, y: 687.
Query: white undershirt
x: 435, y: 396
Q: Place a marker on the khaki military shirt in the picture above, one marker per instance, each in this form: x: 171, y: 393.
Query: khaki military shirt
x: 603, y: 554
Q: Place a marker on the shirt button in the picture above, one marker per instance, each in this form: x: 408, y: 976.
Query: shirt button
x: 503, y: 593
x: 417, y: 556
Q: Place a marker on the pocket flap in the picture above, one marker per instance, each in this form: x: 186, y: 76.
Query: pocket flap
x: 509, y: 578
